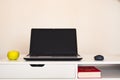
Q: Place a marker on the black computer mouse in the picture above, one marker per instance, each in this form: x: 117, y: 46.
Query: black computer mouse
x: 99, y: 58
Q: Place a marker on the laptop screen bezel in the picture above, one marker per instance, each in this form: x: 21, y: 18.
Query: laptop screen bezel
x: 32, y: 53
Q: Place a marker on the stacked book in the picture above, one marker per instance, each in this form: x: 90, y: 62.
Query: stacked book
x: 86, y: 72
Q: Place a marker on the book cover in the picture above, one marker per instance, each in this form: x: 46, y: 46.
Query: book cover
x: 88, y: 72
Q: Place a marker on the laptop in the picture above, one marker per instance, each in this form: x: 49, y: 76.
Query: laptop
x: 53, y: 45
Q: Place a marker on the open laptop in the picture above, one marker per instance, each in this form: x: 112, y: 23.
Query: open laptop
x: 53, y: 45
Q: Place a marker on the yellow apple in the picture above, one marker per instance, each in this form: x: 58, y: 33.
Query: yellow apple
x: 13, y: 55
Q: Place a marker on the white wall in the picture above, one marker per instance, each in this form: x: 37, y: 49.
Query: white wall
x: 97, y: 23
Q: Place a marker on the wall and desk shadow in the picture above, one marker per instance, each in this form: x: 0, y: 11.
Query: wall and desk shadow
x: 96, y: 21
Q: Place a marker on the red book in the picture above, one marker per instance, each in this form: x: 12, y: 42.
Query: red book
x: 88, y: 72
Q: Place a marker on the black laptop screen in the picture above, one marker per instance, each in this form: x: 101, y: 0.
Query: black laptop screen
x: 53, y: 42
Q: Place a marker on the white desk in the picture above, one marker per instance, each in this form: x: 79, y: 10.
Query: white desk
x: 58, y: 70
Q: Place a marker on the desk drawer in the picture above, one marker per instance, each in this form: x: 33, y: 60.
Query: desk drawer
x: 37, y: 71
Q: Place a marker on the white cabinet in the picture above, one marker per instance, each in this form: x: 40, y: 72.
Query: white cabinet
x: 58, y: 70
x: 110, y: 66
x: 47, y: 71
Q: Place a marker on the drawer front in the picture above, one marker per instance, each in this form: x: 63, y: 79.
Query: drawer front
x: 37, y: 71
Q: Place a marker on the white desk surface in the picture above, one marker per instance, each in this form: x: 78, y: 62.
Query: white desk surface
x: 87, y: 59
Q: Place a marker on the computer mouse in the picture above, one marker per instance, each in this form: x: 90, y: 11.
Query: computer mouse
x: 99, y: 57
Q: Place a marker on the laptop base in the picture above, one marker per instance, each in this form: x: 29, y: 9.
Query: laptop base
x: 52, y: 59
